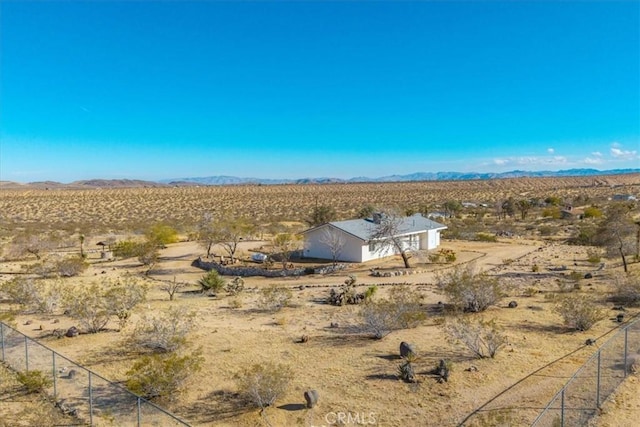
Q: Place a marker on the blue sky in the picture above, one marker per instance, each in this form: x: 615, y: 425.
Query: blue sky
x: 166, y: 89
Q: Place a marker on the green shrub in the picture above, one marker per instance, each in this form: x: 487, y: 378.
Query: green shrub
x: 212, y: 282
x: 486, y: 237
x: 592, y: 212
x: 579, y: 312
x: 34, y: 381
x: 162, y: 376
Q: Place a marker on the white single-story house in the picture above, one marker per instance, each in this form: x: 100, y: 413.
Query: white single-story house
x: 353, y: 239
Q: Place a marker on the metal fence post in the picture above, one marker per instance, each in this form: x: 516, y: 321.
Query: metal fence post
x: 139, y: 411
x: 626, y: 350
x: 2, y: 338
x: 90, y: 401
x: 55, y: 377
x: 26, y: 353
x: 598, y: 382
x: 562, y: 409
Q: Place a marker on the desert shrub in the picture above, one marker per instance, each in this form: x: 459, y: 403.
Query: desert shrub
x: 274, y: 298
x: 402, y: 310
x: 627, y: 290
x: 162, y: 376
x: 585, y: 236
x: 469, y: 291
x: 72, y: 266
x: 212, y: 282
x: 161, y: 234
x: 552, y: 212
x: 163, y: 332
x: 34, y: 381
x: 547, y: 230
x: 553, y: 201
x: 482, y: 338
x: 486, y: 237
x: 235, y: 286
x: 594, y: 255
x: 122, y: 296
x: 262, y: 384
x: 443, y: 255
x: 87, y: 304
x: 592, y: 212
x: 579, y: 312
x: 94, y: 304
x: 535, y: 268
x: 40, y: 296
x: 370, y: 292
x: 127, y: 249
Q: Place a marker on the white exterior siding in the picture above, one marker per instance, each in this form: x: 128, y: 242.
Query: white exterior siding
x: 356, y: 247
x: 314, y: 247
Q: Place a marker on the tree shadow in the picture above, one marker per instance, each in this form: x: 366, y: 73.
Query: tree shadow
x: 215, y: 406
x: 292, y: 407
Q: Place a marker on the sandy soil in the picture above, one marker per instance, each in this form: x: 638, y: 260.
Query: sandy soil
x: 355, y: 374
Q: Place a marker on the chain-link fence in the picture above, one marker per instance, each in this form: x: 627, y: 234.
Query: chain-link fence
x: 79, y: 391
x: 579, y: 400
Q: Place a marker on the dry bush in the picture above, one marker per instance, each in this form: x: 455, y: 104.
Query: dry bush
x: 262, y: 384
x: 93, y: 305
x: 579, y: 312
x: 34, y: 381
x: 71, y: 266
x: 402, y: 310
x: 40, y: 296
x: 627, y: 290
x: 469, y: 291
x: 482, y: 338
x: 161, y: 377
x: 163, y: 332
x: 274, y: 298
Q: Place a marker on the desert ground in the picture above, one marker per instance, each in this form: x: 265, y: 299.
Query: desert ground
x: 352, y: 372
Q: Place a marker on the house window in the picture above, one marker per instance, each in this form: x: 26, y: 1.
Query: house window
x: 372, y: 247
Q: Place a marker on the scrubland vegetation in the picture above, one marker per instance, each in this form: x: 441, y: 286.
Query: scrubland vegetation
x: 519, y: 281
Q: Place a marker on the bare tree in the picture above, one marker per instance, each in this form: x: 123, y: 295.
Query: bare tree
x: 616, y: 233
x: 524, y: 206
x: 172, y: 287
x: 30, y: 244
x: 335, y: 241
x: 206, y: 232
x: 230, y: 233
x: 285, y: 244
x: 387, y: 233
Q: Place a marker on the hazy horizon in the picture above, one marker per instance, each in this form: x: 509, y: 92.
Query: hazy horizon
x: 153, y: 90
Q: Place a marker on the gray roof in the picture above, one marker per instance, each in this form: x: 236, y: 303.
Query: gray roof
x: 363, y: 228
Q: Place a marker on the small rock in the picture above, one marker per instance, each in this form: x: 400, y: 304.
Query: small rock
x: 588, y: 276
x: 72, y: 332
x: 620, y: 318
x: 333, y: 325
x: 72, y: 374
x: 513, y: 304
x: 406, y: 350
x: 472, y: 368
x: 28, y: 322
x: 590, y: 341
x: 311, y: 397
x: 304, y: 338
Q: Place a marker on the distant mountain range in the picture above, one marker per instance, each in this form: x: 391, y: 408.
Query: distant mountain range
x: 417, y: 176
x: 233, y: 180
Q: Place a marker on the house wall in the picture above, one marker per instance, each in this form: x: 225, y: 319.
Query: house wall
x: 315, y: 248
x: 355, y: 250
